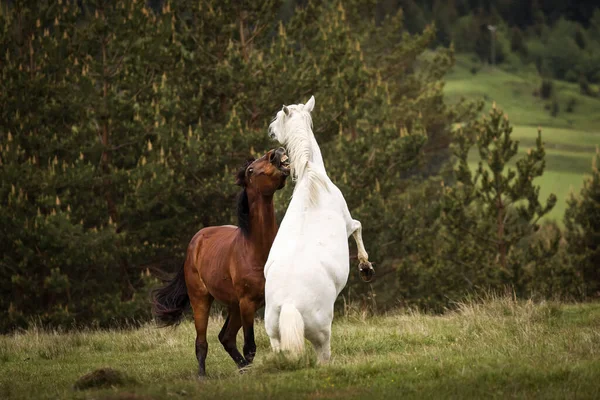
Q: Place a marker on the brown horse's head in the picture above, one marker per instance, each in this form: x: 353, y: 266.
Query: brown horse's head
x: 265, y: 175
x: 260, y: 177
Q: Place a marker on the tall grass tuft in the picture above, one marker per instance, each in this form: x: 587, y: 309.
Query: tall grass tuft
x: 282, y: 361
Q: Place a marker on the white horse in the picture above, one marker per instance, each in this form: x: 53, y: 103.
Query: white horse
x: 309, y: 263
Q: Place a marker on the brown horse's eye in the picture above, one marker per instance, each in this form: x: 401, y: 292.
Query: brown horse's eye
x: 250, y: 171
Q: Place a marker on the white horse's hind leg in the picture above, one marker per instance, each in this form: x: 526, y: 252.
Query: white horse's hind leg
x: 322, y: 345
x: 272, y: 328
x: 324, y: 351
x: 275, y: 344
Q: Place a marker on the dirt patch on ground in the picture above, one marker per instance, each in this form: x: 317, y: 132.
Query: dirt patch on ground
x: 102, y: 378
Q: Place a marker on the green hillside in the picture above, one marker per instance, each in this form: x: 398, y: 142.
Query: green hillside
x: 570, y: 137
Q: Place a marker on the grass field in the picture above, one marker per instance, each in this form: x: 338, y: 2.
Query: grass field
x: 496, y: 349
x: 570, y: 138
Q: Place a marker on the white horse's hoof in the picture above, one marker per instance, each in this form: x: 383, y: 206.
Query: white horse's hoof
x: 366, y: 271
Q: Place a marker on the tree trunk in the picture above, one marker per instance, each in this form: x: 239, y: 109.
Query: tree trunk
x: 126, y: 286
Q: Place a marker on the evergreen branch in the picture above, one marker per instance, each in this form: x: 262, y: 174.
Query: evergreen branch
x: 476, y: 235
x: 469, y: 267
x: 257, y: 31
x: 150, y: 79
x: 324, y: 127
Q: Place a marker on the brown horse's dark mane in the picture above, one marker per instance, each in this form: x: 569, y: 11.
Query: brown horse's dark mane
x: 243, y: 212
x: 243, y: 207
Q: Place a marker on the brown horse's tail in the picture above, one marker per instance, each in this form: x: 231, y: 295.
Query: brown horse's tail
x: 170, y: 301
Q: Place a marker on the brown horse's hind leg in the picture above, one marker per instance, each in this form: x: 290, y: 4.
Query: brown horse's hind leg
x: 248, y: 309
x: 228, y: 334
x: 201, y: 309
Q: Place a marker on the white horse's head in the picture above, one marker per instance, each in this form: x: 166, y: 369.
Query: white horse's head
x: 292, y: 127
x: 291, y: 118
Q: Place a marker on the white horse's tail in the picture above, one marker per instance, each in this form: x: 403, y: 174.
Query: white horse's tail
x: 291, y: 329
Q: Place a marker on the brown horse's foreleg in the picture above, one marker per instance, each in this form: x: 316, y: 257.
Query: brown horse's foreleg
x: 228, y: 334
x: 247, y: 310
x: 201, y: 307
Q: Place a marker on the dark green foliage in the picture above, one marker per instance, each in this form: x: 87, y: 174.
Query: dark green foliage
x: 415, y: 19
x: 571, y: 105
x: 121, y: 127
x: 554, y: 107
x: 557, y: 36
x: 549, y: 270
x: 122, y: 123
x: 444, y: 14
x: 571, y: 76
x: 565, y: 50
x: 546, y: 89
x: 582, y: 224
x: 481, y: 232
x: 118, y: 142
x: 585, y: 87
x: 580, y: 38
x: 561, y: 38
x: 517, y: 42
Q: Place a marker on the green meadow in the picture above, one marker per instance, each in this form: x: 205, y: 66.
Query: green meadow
x: 570, y: 138
x: 498, y: 348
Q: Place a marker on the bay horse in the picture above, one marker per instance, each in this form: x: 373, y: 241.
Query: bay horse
x: 226, y: 263
x: 309, y: 261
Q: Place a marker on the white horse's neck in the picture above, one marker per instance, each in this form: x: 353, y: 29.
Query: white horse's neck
x: 316, y: 152
x: 303, y: 147
x: 306, y: 159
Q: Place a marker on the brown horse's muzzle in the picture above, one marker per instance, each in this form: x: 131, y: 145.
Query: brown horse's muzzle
x: 280, y: 160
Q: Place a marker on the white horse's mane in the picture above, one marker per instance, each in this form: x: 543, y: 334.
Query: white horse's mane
x: 299, y: 141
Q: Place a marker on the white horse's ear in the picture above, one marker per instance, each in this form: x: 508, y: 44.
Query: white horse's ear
x: 286, y: 111
x: 310, y: 104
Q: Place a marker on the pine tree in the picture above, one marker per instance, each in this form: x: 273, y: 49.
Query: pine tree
x: 582, y: 230
x: 39, y: 221
x: 70, y: 95
x: 497, y: 208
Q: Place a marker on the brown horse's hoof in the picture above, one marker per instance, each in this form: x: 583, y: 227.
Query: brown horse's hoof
x: 366, y: 271
x: 201, y: 378
x: 244, y: 369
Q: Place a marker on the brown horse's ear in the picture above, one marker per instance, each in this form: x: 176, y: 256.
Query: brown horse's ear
x: 240, y: 178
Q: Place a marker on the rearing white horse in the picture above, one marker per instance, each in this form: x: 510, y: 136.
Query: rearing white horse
x: 309, y: 263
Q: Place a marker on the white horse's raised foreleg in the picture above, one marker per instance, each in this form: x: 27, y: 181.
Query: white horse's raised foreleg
x: 363, y: 256
x: 364, y: 266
